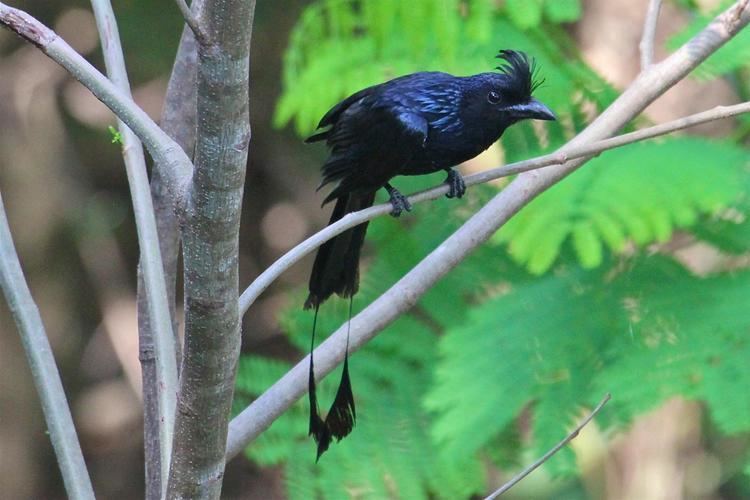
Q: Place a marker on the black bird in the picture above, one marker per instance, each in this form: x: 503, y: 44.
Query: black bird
x: 411, y: 125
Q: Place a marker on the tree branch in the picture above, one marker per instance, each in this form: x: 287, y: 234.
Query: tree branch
x: 649, y: 33
x: 528, y: 470
x: 297, y: 253
x: 210, y: 238
x: 650, y: 84
x: 43, y: 368
x: 160, y: 318
x: 191, y: 20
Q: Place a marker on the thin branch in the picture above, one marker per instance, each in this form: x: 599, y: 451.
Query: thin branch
x: 649, y: 85
x: 178, y: 121
x: 191, y: 20
x: 62, y: 432
x: 178, y: 166
x: 528, y: 470
x: 294, y: 255
x: 649, y: 33
x: 160, y: 318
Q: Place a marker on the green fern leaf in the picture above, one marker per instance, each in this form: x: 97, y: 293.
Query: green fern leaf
x: 728, y: 230
x: 564, y: 340
x: 685, y: 339
x: 642, y: 192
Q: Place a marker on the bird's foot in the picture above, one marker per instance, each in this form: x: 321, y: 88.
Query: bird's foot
x: 456, y: 184
x: 398, y: 201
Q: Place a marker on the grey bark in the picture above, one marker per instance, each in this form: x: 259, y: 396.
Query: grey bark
x: 210, y: 238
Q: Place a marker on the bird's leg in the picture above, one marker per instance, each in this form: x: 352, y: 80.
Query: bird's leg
x: 398, y: 200
x: 456, y: 184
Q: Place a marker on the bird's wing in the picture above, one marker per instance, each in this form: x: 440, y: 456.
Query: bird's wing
x: 413, y: 126
x: 395, y: 95
x: 370, y: 142
x: 333, y: 114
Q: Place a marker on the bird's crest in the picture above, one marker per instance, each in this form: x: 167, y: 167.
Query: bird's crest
x: 520, y: 71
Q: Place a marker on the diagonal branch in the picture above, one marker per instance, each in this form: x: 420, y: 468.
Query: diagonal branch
x: 191, y: 20
x: 62, y: 432
x: 294, y: 255
x: 537, y: 463
x: 649, y: 85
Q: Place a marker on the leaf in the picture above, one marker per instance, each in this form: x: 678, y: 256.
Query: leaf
x: 641, y: 192
x: 562, y: 11
x: 524, y: 13
x: 689, y: 340
x: 516, y: 345
x: 588, y: 245
x: 729, y: 229
x: 561, y: 342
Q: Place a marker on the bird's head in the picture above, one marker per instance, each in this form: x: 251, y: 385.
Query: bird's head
x: 506, y: 97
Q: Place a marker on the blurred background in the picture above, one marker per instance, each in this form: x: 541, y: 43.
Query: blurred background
x: 67, y: 198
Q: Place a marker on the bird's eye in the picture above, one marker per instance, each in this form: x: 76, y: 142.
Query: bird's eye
x: 493, y: 97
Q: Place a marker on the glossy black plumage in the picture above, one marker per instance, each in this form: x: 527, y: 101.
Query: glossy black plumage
x: 411, y: 125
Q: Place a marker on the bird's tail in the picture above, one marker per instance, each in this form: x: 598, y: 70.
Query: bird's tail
x: 336, y: 267
x: 336, y: 270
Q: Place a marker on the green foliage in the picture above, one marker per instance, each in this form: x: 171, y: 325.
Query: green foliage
x: 367, y: 42
x: 540, y: 324
x: 640, y: 194
x: 729, y: 229
x: 529, y: 13
x: 441, y: 389
x: 562, y: 11
x: 525, y: 13
x: 650, y: 333
x: 116, y: 135
x: 392, y: 429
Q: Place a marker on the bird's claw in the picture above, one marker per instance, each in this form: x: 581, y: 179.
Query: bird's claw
x: 398, y: 201
x: 456, y: 184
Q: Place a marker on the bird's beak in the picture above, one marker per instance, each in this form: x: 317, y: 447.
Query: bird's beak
x: 534, y: 109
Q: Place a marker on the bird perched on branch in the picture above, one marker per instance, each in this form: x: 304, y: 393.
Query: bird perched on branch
x: 415, y: 124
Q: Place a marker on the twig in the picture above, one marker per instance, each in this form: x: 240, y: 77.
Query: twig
x: 404, y: 294
x: 528, y: 470
x: 43, y: 368
x: 191, y: 20
x: 163, y: 149
x: 294, y: 255
x: 160, y: 318
x: 649, y: 33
